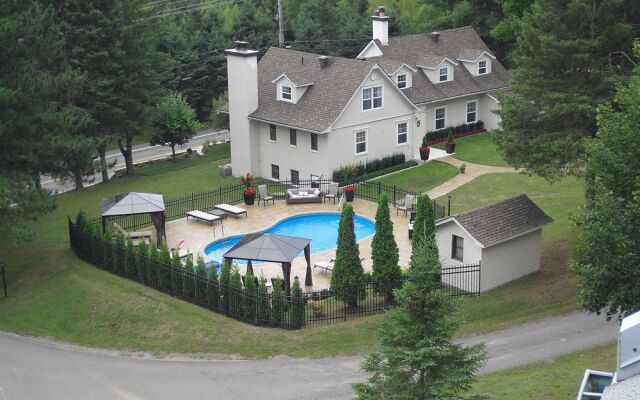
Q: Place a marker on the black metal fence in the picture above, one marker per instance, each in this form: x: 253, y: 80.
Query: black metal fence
x: 177, y: 208
x: 249, y: 305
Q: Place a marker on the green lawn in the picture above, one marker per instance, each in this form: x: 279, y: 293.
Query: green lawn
x: 217, y: 152
x: 54, y: 294
x: 557, y: 379
x: 478, y: 149
x: 422, y: 178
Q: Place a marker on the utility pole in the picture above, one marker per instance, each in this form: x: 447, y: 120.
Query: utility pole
x: 280, y: 25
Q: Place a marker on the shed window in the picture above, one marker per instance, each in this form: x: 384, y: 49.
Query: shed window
x: 457, y: 247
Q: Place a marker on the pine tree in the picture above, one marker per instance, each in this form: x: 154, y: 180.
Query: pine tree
x: 418, y: 358
x: 119, y: 255
x: 297, y: 306
x: 201, y: 275
x: 236, y: 306
x: 152, y: 268
x: 107, y: 254
x: 213, y: 289
x: 164, y: 266
x: 424, y: 227
x: 348, y: 276
x: 177, y: 277
x: 250, y: 298
x: 225, y: 281
x: 129, y: 259
x: 142, y: 259
x: 278, y: 306
x: 98, y: 243
x: 384, y: 252
x: 264, y: 306
x: 189, y: 282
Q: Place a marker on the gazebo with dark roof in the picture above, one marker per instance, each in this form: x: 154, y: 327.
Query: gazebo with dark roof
x: 273, y: 248
x: 136, y: 203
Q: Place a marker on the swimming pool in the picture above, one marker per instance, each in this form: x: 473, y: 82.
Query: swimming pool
x: 320, y: 228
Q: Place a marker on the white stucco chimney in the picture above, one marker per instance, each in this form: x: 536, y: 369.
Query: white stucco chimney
x: 381, y: 26
x: 242, y: 77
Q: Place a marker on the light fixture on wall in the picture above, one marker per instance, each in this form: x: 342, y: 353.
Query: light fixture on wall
x: 418, y: 123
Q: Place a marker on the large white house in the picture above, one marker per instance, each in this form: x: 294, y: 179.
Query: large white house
x: 296, y: 115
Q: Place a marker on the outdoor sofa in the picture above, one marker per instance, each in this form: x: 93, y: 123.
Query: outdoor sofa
x: 303, y: 195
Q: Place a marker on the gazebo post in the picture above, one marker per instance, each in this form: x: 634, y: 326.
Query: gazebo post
x: 308, y: 280
x: 249, y: 268
x: 286, y: 272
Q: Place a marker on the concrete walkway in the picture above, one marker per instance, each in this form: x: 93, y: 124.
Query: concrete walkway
x: 471, y: 172
x: 35, y: 368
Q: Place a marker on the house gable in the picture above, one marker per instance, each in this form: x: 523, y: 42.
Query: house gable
x: 370, y: 50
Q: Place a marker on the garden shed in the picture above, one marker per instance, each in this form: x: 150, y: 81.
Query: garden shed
x: 505, y: 238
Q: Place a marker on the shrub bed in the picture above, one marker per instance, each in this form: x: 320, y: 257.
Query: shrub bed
x: 440, y: 136
x: 357, y: 171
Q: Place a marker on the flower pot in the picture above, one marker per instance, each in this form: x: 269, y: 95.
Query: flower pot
x: 424, y: 155
x: 450, y: 148
x: 249, y: 199
x: 349, y: 195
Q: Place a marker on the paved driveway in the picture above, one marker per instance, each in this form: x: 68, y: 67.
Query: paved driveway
x: 32, y: 368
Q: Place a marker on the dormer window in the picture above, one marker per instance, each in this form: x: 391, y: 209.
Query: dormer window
x: 285, y: 93
x: 482, y: 67
x: 444, y: 74
x: 402, y: 81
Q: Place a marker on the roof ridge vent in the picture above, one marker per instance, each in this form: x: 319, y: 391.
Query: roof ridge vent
x: 435, y: 36
x: 324, y: 61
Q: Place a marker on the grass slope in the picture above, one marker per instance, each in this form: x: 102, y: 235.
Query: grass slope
x: 54, y: 294
x: 478, y: 149
x: 422, y: 178
x: 557, y: 379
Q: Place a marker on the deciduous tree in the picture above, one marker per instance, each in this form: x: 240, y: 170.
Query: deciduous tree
x: 174, y: 121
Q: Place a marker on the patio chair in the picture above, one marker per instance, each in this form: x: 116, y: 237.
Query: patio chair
x: 407, y: 205
x: 333, y: 192
x: 264, y: 196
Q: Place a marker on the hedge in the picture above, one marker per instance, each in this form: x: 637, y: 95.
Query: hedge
x: 356, y: 171
x: 459, y: 131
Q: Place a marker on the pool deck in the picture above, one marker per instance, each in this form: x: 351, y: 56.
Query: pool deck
x: 196, y: 235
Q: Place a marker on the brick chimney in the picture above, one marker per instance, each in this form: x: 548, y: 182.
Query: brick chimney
x: 380, y: 26
x: 242, y: 78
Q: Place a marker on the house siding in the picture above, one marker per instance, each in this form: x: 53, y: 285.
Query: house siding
x: 511, y: 260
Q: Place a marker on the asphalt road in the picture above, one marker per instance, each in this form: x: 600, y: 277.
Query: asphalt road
x: 33, y: 368
x: 141, y: 152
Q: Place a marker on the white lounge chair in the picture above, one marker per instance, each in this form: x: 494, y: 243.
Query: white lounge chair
x: 203, y: 216
x: 327, y: 266
x: 407, y: 205
x: 264, y: 195
x: 233, y: 210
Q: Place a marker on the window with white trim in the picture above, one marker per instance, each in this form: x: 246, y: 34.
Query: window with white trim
x: 402, y: 81
x: 275, y: 171
x: 482, y: 67
x: 441, y: 118
x: 295, y: 176
x: 371, y: 98
x: 472, y: 112
x: 402, y: 131
x: 444, y: 74
x: 314, y: 142
x: 293, y: 137
x: 272, y: 133
x: 361, y: 142
x: 285, y: 93
x: 457, y: 248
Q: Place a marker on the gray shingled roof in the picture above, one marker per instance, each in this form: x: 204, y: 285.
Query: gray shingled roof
x: 504, y: 220
x: 470, y: 54
x: 431, y: 61
x: 451, y: 43
x: 333, y: 87
x: 299, y: 78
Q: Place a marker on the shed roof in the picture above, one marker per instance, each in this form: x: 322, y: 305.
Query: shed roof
x: 502, y: 221
x: 268, y: 247
x: 132, y: 203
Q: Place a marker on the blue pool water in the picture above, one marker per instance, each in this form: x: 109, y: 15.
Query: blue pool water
x: 321, y: 228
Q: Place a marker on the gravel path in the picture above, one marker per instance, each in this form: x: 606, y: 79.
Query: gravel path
x: 34, y: 368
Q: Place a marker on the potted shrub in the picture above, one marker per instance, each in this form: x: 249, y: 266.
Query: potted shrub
x: 249, y: 192
x: 450, y: 145
x: 349, y: 192
x: 424, y: 149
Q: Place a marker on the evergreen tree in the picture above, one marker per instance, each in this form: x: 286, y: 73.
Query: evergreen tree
x: 608, y: 248
x: 566, y: 65
x: 142, y: 261
x: 174, y: 121
x: 384, y: 252
x: 278, y: 306
x: 201, y: 275
x: 424, y: 227
x: 119, y: 255
x: 177, y: 277
x: 225, y: 281
x: 152, y: 269
x: 250, y: 298
x: 418, y: 358
x: 236, y: 306
x: 213, y: 289
x: 297, y: 306
x: 264, y: 307
x: 189, y: 282
x: 129, y: 259
x: 107, y: 254
x: 98, y: 243
x: 164, y: 266
x: 348, y: 276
